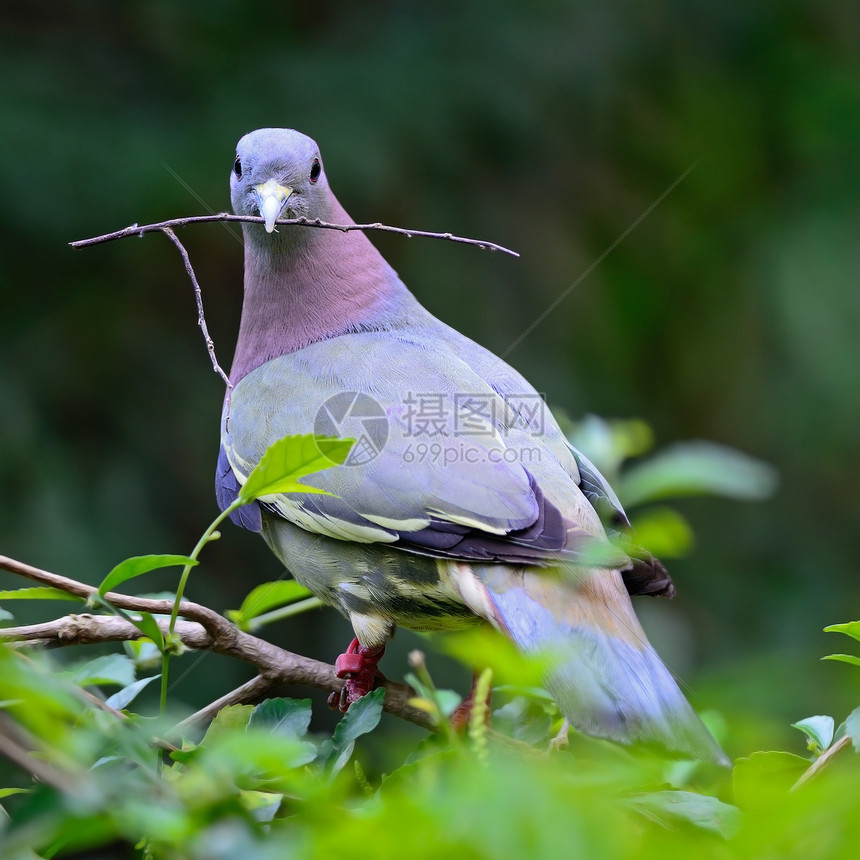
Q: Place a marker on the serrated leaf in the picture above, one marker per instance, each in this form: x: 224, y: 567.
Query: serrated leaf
x: 850, y: 628
x: 287, y: 717
x: 701, y: 810
x: 109, y: 669
x: 291, y: 458
x: 124, y: 697
x: 695, y: 469
x: 38, y: 592
x: 138, y: 565
x: 819, y: 730
x: 269, y: 595
x: 852, y: 728
x: 843, y: 658
x: 762, y: 775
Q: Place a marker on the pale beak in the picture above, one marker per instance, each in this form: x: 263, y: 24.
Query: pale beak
x: 271, y: 200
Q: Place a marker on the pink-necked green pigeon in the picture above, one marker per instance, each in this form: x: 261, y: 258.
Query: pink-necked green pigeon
x: 462, y: 500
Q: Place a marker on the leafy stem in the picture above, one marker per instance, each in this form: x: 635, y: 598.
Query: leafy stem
x: 210, y: 534
x: 278, y: 471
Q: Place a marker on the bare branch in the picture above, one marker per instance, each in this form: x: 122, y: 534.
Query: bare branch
x: 17, y: 745
x: 166, y: 227
x: 250, y: 691
x: 201, y: 318
x: 204, y: 629
x: 88, y: 629
x: 137, y: 230
x: 211, y: 621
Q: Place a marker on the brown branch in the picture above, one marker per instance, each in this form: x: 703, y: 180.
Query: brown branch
x: 211, y: 621
x: 17, y: 745
x: 823, y: 761
x: 250, y: 691
x: 198, y: 296
x: 166, y: 227
x: 137, y: 230
x: 203, y: 630
x: 88, y: 629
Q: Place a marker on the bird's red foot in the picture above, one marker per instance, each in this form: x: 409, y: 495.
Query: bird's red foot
x: 358, y: 668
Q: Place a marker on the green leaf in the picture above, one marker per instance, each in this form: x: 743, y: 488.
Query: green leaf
x: 663, y: 532
x: 599, y: 552
x: 524, y: 719
x: 852, y: 728
x: 437, y: 703
x: 38, y: 592
x: 850, y: 628
x: 227, y: 720
x: 149, y: 627
x: 288, y: 717
x: 109, y: 669
x: 124, y: 697
x: 6, y: 792
x: 701, y: 810
x: 483, y: 646
x: 144, y: 653
x: 763, y: 775
x: 291, y: 458
x: 269, y: 595
x: 263, y: 805
x: 695, y: 469
x: 362, y: 717
x: 843, y: 658
x: 448, y: 701
x: 819, y: 730
x: 609, y: 443
x: 140, y: 564
x: 254, y: 750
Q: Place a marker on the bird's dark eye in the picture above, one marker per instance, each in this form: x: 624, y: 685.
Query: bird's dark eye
x: 237, y: 167
x: 316, y: 169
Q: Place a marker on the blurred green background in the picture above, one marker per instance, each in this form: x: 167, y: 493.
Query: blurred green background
x: 731, y: 312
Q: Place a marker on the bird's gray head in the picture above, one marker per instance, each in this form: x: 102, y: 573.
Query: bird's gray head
x: 277, y: 173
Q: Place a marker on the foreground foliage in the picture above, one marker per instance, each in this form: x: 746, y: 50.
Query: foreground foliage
x: 260, y: 784
x: 91, y: 774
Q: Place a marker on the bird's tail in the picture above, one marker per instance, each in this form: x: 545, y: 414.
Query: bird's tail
x: 607, y: 679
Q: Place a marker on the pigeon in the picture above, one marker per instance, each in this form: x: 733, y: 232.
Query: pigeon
x: 461, y: 502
